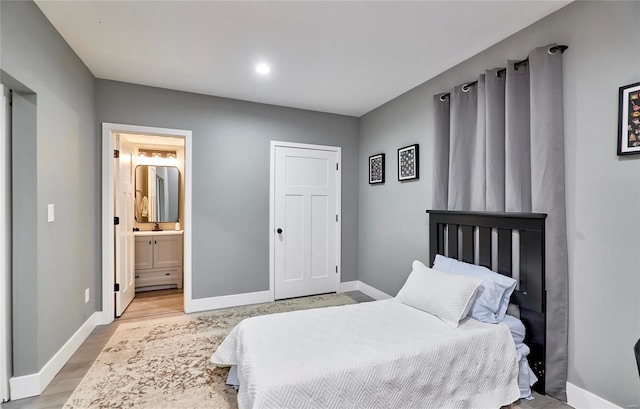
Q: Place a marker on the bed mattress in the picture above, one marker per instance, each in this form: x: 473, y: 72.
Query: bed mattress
x: 380, y: 354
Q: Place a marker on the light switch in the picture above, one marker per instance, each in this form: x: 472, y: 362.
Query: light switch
x: 50, y: 213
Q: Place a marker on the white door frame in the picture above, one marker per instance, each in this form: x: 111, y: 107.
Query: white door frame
x: 108, y: 134
x: 5, y: 247
x: 272, y: 207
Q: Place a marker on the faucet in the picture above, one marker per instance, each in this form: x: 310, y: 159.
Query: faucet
x: 156, y: 227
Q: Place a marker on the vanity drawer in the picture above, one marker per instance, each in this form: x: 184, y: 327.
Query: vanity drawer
x: 159, y: 276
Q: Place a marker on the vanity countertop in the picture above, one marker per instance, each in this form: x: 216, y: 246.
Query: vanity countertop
x: 157, y: 233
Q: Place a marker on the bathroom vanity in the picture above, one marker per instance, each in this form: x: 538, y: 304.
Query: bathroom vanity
x: 158, y: 259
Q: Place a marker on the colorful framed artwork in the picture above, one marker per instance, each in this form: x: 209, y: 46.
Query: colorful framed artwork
x: 629, y: 120
x: 376, y: 169
x: 408, y: 163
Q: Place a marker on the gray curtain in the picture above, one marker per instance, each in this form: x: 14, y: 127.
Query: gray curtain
x: 499, y: 146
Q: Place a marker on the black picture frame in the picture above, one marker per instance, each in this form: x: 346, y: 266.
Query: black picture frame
x: 376, y: 169
x: 409, y: 163
x: 629, y: 119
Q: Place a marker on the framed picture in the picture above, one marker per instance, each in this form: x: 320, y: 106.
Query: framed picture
x: 376, y: 169
x: 629, y: 125
x: 408, y: 163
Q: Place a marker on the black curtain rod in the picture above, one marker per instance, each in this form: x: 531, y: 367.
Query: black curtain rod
x: 501, y: 72
x: 552, y: 50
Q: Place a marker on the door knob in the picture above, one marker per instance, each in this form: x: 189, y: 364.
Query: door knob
x: 279, y: 231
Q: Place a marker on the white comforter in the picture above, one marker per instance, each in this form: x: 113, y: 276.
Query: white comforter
x: 380, y: 354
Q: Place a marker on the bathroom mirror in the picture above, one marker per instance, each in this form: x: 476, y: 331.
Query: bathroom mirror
x: 156, y: 198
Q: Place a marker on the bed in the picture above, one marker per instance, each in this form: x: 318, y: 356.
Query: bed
x: 404, y: 352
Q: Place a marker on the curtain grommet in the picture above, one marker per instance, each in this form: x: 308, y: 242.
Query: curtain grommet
x: 554, y: 49
x: 465, y: 88
x: 443, y: 97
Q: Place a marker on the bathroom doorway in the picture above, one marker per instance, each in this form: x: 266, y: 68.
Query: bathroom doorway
x: 146, y: 251
x: 151, y: 246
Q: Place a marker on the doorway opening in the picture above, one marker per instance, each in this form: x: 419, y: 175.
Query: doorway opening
x: 155, y: 176
x: 147, y: 221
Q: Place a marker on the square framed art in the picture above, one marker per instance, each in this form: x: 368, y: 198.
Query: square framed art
x: 376, y: 169
x: 629, y: 119
x: 408, y: 163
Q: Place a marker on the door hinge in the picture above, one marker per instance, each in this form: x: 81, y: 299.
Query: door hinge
x: 336, y: 217
x: 336, y: 166
x: 116, y: 154
x: 116, y: 221
x: 336, y: 269
x: 116, y: 287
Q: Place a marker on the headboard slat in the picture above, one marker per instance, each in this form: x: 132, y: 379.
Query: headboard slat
x: 467, y: 244
x: 484, y: 244
x: 504, y: 252
x: 452, y: 233
x: 440, y: 235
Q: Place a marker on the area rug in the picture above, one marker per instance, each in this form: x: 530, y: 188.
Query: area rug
x: 164, y: 363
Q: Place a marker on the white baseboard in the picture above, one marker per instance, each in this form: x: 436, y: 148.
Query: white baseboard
x: 226, y: 301
x: 349, y: 286
x: 373, y: 292
x: 33, y: 384
x: 106, y: 318
x: 582, y: 399
x: 357, y: 285
x: 235, y: 300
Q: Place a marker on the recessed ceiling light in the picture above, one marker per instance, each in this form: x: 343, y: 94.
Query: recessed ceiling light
x: 263, y: 69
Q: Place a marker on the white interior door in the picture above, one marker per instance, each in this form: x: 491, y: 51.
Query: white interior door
x: 125, y: 253
x: 5, y: 245
x: 306, y: 219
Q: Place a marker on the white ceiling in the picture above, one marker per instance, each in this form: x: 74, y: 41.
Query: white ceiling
x: 339, y: 57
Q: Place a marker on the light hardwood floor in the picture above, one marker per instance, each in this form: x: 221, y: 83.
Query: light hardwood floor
x: 152, y: 305
x: 156, y: 304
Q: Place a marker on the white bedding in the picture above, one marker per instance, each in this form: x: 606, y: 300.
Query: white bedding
x: 380, y: 354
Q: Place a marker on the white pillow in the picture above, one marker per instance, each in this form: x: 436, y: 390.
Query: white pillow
x: 447, y: 296
x: 493, y: 295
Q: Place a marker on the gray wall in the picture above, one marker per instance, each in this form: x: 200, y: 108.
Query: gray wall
x: 231, y: 145
x: 24, y: 214
x: 603, y: 192
x: 55, y: 261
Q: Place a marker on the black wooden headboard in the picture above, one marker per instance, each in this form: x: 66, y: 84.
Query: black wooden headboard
x: 467, y: 236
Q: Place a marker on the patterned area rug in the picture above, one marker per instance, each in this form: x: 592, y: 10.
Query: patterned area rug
x: 164, y: 363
